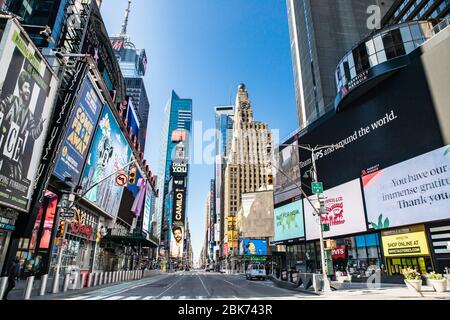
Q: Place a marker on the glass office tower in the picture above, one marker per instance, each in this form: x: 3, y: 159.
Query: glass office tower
x: 177, y: 116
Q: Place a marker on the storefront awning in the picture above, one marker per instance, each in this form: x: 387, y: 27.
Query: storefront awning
x: 140, y: 239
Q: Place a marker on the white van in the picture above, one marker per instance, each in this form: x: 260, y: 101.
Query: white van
x: 256, y: 270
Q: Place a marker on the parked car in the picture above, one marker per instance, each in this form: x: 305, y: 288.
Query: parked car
x: 255, y: 271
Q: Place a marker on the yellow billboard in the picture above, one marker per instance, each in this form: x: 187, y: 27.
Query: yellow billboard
x: 405, y: 244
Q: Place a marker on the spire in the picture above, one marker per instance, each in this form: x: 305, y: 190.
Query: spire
x: 125, y: 23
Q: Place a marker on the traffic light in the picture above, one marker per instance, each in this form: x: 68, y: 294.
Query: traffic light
x: 132, y: 175
x: 60, y: 232
x: 269, y: 179
x: 329, y: 244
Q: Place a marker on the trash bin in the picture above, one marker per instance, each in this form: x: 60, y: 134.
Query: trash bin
x: 74, y: 278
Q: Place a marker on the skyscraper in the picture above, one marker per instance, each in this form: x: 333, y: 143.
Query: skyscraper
x: 321, y: 32
x: 248, y: 166
x: 133, y: 64
x: 224, y: 133
x: 35, y: 15
x: 408, y: 10
x: 177, y: 116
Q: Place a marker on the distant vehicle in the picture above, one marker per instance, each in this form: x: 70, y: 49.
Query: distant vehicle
x: 256, y: 270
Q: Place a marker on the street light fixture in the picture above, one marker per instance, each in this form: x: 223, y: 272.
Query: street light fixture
x: 320, y: 200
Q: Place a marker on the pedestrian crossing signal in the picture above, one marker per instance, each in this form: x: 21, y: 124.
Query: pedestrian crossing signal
x: 132, y: 176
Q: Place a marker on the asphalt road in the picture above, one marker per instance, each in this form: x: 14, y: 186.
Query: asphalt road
x: 192, y: 286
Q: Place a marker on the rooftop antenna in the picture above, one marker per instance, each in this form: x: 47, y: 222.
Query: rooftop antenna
x: 125, y: 23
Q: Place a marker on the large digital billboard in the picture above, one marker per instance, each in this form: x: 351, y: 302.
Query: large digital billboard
x: 27, y: 93
x: 80, y: 132
x: 179, y: 202
x: 289, y: 221
x: 393, y: 122
x: 147, y: 218
x: 110, y: 152
x: 287, y: 160
x: 256, y: 215
x: 345, y: 212
x: 177, y: 242
x: 414, y: 191
x: 250, y: 247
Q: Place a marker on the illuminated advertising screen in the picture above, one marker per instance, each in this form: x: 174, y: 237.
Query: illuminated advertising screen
x: 177, y: 242
x: 289, y: 221
x: 110, y: 152
x: 287, y: 160
x: 79, y: 134
x: 251, y: 247
x: 146, y: 222
x: 345, y: 212
x: 414, y: 191
x: 27, y: 93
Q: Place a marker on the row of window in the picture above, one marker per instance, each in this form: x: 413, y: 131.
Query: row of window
x: 391, y: 43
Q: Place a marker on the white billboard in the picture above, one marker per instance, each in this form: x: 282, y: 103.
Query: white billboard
x: 28, y: 89
x: 414, y: 191
x: 345, y: 212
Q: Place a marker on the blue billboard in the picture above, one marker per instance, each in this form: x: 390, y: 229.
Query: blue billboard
x: 251, y: 247
x: 79, y: 134
x: 110, y: 153
x: 289, y: 222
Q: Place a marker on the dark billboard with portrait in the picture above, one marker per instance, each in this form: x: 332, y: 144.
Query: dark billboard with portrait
x: 179, y: 202
x: 27, y: 92
x: 79, y: 133
x: 388, y: 124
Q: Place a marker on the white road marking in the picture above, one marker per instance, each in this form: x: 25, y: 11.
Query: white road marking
x: 166, y: 298
x: 149, y: 298
x: 169, y: 287
x: 115, y: 298
x: 78, y: 298
x: 207, y: 292
x: 132, y: 298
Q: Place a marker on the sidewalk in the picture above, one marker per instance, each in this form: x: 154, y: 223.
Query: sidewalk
x: 18, y: 292
x: 363, y: 291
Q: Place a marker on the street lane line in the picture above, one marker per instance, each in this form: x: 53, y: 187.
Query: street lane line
x: 127, y: 289
x: 207, y: 292
x: 115, y: 298
x: 169, y: 287
x: 132, y: 298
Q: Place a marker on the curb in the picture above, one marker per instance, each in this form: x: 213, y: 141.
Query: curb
x: 291, y: 286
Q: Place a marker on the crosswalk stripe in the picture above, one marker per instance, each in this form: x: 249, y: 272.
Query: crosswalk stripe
x: 167, y: 298
x: 148, y: 298
x: 133, y: 298
x: 184, y: 297
x: 114, y: 298
x: 78, y: 298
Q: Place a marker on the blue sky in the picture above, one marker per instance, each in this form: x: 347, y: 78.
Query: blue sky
x: 203, y: 49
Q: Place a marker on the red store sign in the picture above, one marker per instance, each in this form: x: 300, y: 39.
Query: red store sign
x: 339, y: 252
x: 82, y: 229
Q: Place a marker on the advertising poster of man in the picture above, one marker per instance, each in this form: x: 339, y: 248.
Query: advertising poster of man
x: 110, y: 152
x: 79, y: 134
x: 177, y: 242
x: 27, y: 93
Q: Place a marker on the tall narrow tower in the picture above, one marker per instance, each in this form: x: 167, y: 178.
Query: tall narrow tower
x: 125, y: 22
x: 249, y: 162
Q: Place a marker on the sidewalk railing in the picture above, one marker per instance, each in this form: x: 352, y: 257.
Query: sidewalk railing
x: 44, y: 286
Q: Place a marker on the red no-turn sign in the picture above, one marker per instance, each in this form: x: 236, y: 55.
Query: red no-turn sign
x: 121, y: 179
